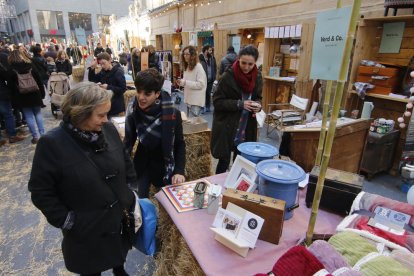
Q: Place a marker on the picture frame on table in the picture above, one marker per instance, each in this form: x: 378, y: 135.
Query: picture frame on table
x: 245, y: 184
x: 241, y: 168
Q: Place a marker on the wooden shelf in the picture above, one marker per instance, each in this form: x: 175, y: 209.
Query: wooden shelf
x: 385, y: 97
x: 285, y: 79
x: 389, y: 18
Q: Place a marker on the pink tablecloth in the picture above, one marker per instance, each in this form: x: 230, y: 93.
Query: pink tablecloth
x: 216, y: 259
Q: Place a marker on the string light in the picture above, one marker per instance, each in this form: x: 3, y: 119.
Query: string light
x: 408, y: 107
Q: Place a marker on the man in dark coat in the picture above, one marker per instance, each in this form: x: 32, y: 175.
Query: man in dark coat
x: 111, y: 77
x: 98, y: 50
x: 227, y: 60
x: 76, y: 55
x: 81, y: 187
x: 208, y: 61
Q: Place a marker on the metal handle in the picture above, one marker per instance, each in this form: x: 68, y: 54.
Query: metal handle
x: 296, y: 205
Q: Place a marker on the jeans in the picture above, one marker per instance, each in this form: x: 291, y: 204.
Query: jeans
x: 7, y: 113
x: 34, y: 117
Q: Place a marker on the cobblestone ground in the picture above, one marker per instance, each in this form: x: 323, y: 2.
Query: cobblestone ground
x: 28, y: 244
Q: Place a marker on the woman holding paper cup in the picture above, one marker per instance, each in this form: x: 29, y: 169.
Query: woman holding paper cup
x: 236, y: 101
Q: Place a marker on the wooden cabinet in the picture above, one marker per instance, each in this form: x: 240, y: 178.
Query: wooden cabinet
x: 368, y: 40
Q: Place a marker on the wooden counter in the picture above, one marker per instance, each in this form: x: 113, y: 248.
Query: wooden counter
x: 347, y: 148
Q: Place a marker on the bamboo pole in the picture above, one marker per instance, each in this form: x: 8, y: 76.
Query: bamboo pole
x: 326, y: 101
x: 332, y: 124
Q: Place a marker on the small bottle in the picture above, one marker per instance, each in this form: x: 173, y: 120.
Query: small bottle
x: 199, y: 192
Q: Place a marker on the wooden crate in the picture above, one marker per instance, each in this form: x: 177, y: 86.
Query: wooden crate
x: 368, y: 40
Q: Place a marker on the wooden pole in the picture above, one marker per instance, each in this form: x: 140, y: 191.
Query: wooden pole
x: 326, y: 101
x: 332, y: 124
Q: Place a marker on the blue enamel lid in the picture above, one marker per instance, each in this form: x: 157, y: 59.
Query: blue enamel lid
x: 280, y: 171
x: 258, y: 149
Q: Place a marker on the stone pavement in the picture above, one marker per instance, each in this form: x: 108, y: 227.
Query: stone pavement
x: 28, y: 244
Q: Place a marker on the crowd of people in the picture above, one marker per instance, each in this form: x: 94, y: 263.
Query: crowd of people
x: 85, y: 151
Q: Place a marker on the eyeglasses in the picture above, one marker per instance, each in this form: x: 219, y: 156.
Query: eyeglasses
x: 246, y: 63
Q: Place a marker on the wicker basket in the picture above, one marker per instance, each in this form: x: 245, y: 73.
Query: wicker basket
x: 78, y: 73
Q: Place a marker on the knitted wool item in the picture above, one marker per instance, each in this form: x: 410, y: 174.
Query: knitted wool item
x: 384, y: 266
x: 297, y: 261
x: 352, y: 246
x: 327, y: 255
x: 405, y: 258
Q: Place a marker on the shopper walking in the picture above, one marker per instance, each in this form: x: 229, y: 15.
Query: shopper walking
x: 227, y: 60
x: 31, y: 102
x: 194, y: 81
x: 208, y: 62
x: 236, y: 101
x: 79, y: 180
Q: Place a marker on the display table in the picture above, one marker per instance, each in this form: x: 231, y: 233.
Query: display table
x: 347, y: 149
x: 216, y: 259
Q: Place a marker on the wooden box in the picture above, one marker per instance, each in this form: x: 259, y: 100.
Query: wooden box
x: 339, y: 191
x: 382, y: 86
x: 270, y: 209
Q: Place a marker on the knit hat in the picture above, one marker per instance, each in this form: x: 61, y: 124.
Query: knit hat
x: 352, y: 246
x: 384, y: 266
x: 297, y: 261
x: 327, y: 255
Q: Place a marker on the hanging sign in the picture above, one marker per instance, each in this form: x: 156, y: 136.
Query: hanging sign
x: 392, y: 35
x: 329, y: 43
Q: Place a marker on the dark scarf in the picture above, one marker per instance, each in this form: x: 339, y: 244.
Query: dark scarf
x: 155, y: 125
x: 247, y: 83
x: 93, y: 139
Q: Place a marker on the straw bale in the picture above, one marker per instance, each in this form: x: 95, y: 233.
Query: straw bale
x: 198, y: 157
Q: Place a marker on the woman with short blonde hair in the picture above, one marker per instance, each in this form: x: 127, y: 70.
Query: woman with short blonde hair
x: 80, y: 181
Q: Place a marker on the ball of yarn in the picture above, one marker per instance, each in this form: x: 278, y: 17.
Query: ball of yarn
x: 412, y: 89
x: 400, y: 120
x: 407, y: 114
x: 411, y: 98
x: 409, y: 105
x: 412, y: 74
x: 402, y: 125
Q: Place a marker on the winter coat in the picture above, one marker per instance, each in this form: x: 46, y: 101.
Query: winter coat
x: 39, y: 63
x: 153, y: 160
x: 123, y: 58
x: 63, y: 179
x: 227, y: 114
x: 31, y: 99
x: 227, y: 61
x: 76, y: 55
x: 115, y: 78
x: 108, y: 50
x: 213, y: 64
x: 64, y: 66
x: 195, y: 86
x: 97, y: 51
x: 5, y: 91
x: 136, y: 63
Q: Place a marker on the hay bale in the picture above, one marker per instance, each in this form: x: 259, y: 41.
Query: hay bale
x: 198, y: 157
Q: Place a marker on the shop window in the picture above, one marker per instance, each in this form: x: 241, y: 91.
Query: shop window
x: 80, y: 20
x: 50, y: 20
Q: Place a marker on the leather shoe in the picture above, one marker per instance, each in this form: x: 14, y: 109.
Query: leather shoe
x: 35, y: 140
x: 14, y: 139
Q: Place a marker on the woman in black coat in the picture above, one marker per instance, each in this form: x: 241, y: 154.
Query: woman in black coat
x: 79, y: 180
x: 30, y: 103
x: 63, y: 63
x: 160, y: 155
x: 236, y: 100
x: 111, y: 77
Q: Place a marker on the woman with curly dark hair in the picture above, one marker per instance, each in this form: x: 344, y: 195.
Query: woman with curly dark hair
x: 194, y: 81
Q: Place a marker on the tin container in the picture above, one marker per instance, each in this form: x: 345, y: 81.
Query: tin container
x: 199, y: 192
x: 213, y: 199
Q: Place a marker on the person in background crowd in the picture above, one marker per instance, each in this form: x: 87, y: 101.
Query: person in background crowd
x: 194, y: 81
x: 79, y: 180
x: 69, y: 50
x: 40, y: 64
x: 51, y: 52
x: 227, y: 60
x: 30, y: 103
x: 111, y: 77
x: 160, y: 156
x: 51, y: 65
x: 63, y: 63
x: 135, y: 62
x: 98, y: 50
x: 76, y: 55
x: 123, y: 58
x: 108, y: 50
x: 6, y: 110
x: 208, y: 62
x: 236, y: 101
x: 153, y: 59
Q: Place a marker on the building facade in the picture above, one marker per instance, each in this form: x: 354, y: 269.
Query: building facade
x: 65, y: 21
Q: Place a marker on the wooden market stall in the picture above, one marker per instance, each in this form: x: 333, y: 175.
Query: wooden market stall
x: 367, y: 46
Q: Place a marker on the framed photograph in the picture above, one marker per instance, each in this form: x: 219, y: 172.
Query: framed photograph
x: 244, y: 184
x: 241, y: 167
